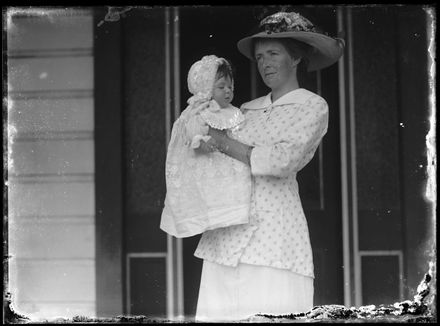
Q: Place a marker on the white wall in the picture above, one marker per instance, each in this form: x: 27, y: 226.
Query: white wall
x: 51, y: 199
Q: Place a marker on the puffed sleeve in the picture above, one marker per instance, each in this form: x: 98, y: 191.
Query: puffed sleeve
x: 296, y: 142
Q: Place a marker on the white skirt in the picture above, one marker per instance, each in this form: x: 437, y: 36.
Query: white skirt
x: 236, y: 293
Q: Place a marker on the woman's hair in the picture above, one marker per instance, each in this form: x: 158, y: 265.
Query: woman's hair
x: 224, y: 70
x: 297, y: 49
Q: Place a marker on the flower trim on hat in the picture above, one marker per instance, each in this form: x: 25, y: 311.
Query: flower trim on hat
x: 287, y: 22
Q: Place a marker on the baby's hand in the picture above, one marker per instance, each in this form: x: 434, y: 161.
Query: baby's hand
x: 196, y: 126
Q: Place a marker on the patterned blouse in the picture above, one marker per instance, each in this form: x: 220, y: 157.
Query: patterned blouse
x: 285, y: 135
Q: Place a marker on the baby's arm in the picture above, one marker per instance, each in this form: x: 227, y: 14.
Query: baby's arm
x: 196, y: 130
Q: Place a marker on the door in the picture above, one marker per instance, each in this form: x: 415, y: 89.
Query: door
x: 216, y: 30
x: 138, y: 66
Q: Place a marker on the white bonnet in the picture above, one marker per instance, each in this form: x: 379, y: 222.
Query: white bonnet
x: 201, y: 78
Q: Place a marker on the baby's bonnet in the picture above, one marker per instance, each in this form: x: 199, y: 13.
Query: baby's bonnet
x: 201, y: 79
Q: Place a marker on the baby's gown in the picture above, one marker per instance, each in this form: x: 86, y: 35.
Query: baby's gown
x: 204, y: 191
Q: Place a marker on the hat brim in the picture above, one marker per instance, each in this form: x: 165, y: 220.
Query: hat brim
x: 326, y: 50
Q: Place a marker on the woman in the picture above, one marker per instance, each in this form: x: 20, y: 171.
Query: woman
x: 266, y: 266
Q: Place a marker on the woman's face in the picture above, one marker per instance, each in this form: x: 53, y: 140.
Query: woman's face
x: 222, y: 92
x: 276, y: 66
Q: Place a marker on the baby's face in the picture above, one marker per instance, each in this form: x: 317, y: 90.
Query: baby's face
x: 222, y: 92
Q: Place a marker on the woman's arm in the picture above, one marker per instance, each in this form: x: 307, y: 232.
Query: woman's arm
x: 294, y: 148
x: 298, y: 135
x: 229, y: 146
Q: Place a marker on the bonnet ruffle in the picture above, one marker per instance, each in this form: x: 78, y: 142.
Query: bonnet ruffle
x: 201, y: 78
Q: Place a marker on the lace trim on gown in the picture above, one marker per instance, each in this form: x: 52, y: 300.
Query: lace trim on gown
x: 225, y: 118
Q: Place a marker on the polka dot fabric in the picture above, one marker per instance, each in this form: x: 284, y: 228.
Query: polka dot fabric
x: 285, y: 135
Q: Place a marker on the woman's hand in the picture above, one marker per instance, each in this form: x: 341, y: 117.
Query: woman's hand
x: 206, y: 147
x: 217, y: 136
x: 229, y: 146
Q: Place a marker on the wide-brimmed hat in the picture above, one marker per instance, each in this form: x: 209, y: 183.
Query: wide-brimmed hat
x: 325, y: 50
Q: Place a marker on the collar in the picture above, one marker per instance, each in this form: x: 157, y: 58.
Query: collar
x: 297, y: 96
x: 225, y: 118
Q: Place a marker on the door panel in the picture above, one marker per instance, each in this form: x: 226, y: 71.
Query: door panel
x: 144, y: 152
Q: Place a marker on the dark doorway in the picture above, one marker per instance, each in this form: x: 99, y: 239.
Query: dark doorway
x: 130, y: 146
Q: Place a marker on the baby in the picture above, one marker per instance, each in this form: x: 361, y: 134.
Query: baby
x: 205, y: 190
